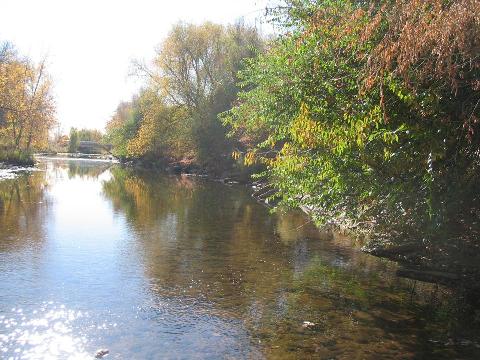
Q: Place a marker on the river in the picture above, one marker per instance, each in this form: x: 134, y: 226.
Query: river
x: 149, y: 266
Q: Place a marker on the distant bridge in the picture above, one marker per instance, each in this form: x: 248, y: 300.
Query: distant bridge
x: 92, y: 147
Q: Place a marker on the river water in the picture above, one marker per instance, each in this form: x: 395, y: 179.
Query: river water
x: 150, y: 266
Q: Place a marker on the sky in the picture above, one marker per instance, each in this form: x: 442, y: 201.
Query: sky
x: 89, y: 44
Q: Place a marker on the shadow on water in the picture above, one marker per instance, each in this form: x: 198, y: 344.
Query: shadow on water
x: 151, y: 266
x: 275, y: 272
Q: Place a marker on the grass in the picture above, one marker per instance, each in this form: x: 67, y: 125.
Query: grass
x: 17, y: 157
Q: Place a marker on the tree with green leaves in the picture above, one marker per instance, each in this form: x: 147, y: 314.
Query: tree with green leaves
x: 73, y: 141
x: 366, y: 110
x: 192, y: 79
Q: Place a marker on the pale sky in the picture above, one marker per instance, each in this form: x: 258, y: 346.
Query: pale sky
x: 89, y: 44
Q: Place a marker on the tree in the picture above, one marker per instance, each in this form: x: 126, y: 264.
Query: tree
x: 90, y: 135
x: 195, y: 74
x: 123, y: 127
x: 363, y: 110
x: 26, y: 102
x: 74, y: 141
x: 163, y: 134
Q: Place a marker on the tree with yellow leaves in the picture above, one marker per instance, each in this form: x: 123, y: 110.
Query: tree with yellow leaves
x: 26, y: 103
x: 191, y: 80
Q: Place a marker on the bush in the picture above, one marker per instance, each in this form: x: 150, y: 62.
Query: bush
x: 17, y: 157
x: 365, y: 110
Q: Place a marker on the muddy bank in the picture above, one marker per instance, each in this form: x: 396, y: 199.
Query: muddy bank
x: 454, y: 263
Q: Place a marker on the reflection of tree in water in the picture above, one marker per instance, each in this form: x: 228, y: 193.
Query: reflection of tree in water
x: 205, y: 237
x: 86, y: 169
x: 363, y: 316
x: 23, y: 207
x: 212, y: 243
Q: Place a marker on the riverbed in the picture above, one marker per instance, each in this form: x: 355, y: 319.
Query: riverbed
x: 151, y: 266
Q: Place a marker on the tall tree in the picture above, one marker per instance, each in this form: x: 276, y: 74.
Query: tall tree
x: 73, y: 141
x: 196, y: 68
x: 26, y: 101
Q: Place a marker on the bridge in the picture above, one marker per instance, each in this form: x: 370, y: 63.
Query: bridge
x: 93, y: 147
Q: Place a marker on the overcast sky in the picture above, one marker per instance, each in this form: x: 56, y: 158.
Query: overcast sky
x: 89, y: 44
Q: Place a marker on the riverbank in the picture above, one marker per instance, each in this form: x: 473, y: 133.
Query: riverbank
x: 448, y: 254
x: 451, y: 259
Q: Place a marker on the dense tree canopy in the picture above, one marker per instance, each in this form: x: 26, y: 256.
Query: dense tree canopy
x: 359, y: 107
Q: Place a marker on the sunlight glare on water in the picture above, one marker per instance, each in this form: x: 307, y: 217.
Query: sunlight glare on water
x: 47, y: 333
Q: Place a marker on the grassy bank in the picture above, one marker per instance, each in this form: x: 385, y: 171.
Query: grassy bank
x: 17, y: 157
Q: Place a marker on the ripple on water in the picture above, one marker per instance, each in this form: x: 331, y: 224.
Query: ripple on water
x: 48, y: 332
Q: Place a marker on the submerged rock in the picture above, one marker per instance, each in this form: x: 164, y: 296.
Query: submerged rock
x: 308, y: 325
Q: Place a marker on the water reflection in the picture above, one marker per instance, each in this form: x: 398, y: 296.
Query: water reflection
x: 152, y: 266
x: 207, y: 240
x: 274, y: 272
x: 87, y: 169
x: 23, y: 208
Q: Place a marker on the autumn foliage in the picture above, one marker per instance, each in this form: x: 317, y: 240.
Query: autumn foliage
x: 26, y: 103
x: 367, y: 110
x: 192, y: 78
x: 431, y: 44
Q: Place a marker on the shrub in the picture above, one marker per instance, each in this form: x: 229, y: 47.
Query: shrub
x: 17, y: 157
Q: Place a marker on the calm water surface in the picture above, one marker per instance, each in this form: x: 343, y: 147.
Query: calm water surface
x: 158, y: 267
